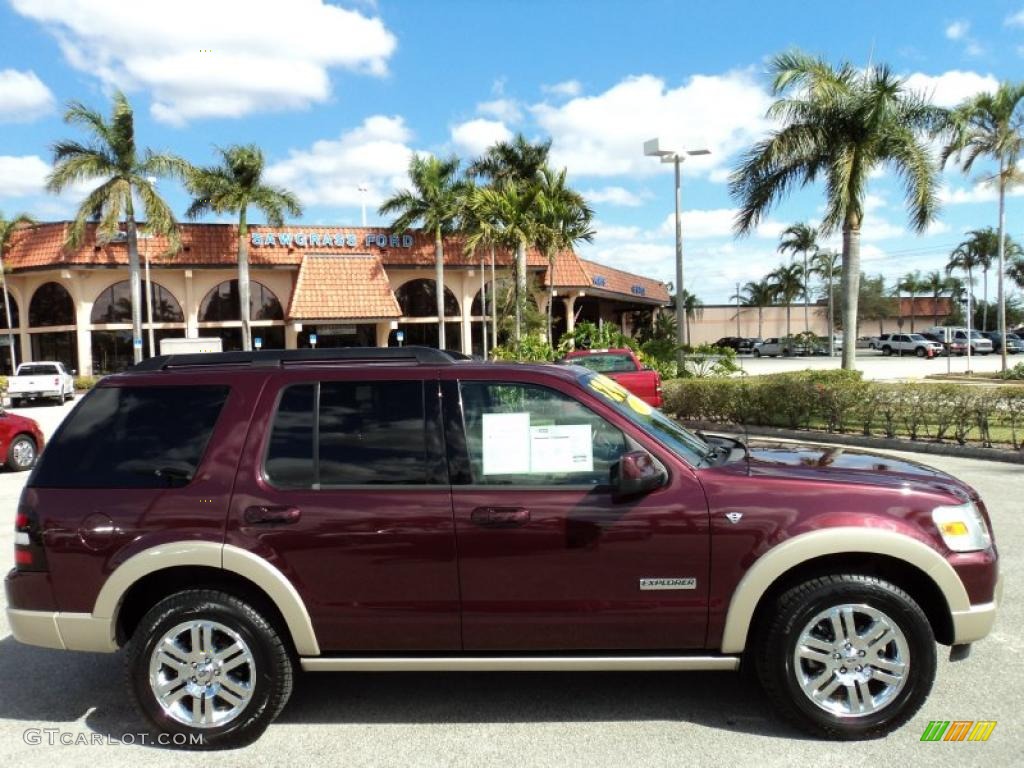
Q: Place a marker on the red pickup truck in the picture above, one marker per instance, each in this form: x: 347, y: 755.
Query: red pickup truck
x: 625, y: 367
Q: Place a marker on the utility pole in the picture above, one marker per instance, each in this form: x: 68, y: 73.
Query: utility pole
x: 738, y: 310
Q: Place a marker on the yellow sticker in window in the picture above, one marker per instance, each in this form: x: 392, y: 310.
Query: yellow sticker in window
x: 615, y: 392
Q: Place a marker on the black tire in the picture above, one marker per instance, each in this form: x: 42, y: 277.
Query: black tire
x: 22, y: 453
x: 778, y: 633
x: 757, y: 353
x: 15, y: 402
x: 920, y: 351
x: 273, y: 666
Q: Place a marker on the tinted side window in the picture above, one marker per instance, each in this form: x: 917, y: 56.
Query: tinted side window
x: 372, y: 432
x: 522, y: 434
x: 132, y: 437
x: 290, y: 455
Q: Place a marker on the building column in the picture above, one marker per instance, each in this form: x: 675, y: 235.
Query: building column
x: 192, y: 308
x: 384, y: 328
x: 291, y: 335
x: 570, y: 312
x: 83, y: 317
x: 467, y: 311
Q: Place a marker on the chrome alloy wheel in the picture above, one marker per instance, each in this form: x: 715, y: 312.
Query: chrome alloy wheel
x: 851, y: 660
x: 23, y: 453
x: 202, y: 674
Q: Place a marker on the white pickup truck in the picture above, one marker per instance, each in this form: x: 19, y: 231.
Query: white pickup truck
x: 42, y: 380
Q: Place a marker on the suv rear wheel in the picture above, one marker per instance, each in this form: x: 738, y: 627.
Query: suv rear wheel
x: 204, y: 663
x: 846, y: 656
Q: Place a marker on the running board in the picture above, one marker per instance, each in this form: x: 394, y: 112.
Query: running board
x: 520, y: 663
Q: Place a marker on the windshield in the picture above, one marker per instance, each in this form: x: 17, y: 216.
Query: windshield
x: 917, y: 337
x: 976, y: 335
x: 605, y: 362
x: 685, y: 444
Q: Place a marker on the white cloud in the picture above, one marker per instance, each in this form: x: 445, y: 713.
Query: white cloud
x: 330, y: 172
x: 506, y: 110
x: 22, y: 176
x: 957, y: 30
x: 876, y: 229
x: 1015, y: 19
x: 473, y: 137
x: 981, y: 192
x: 567, y: 88
x: 23, y: 97
x: 603, y: 135
x: 614, y: 196
x: 716, y: 222
x: 216, y: 59
x: 952, y: 87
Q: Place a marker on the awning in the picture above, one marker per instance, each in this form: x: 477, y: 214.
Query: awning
x: 342, y: 287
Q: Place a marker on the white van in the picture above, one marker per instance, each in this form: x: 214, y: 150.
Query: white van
x: 979, y: 344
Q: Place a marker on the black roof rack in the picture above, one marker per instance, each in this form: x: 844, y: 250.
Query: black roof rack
x: 278, y: 357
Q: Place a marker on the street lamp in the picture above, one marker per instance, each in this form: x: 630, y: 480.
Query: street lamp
x: 362, y: 199
x: 652, y: 148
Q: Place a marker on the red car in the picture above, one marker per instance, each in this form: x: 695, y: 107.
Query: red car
x: 21, y: 440
x: 625, y: 367
x: 229, y: 519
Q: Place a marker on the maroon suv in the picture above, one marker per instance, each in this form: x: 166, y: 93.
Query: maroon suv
x: 230, y: 518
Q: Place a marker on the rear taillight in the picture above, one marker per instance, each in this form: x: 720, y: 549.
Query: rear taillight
x: 29, y: 554
x: 56, y: 382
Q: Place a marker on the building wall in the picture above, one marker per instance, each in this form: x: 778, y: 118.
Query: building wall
x: 720, y: 320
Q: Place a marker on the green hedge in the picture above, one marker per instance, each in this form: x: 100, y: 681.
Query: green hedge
x: 840, y: 401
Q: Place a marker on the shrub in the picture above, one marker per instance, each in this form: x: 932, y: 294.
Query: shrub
x: 85, y: 382
x: 1012, y: 374
x: 708, y: 360
x: 532, y: 348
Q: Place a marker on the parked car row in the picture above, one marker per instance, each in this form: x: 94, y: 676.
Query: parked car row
x: 785, y: 346
x: 932, y: 342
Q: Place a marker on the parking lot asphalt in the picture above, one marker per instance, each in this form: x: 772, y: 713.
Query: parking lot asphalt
x: 529, y: 719
x: 874, y: 366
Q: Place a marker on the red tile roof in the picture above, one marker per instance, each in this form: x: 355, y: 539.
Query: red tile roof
x: 43, y: 245
x: 342, y: 287
x: 925, y: 306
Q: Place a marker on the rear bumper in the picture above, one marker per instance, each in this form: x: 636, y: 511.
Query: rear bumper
x: 976, y: 622
x: 66, y: 631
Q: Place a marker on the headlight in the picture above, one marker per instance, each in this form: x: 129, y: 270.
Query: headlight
x: 962, y: 527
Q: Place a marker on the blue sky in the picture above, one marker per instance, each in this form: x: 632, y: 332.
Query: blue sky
x: 339, y: 95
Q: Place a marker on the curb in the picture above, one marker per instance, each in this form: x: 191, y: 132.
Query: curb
x: 862, y: 441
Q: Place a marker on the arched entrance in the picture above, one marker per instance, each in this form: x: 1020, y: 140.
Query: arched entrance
x: 418, y: 299
x: 5, y: 337
x: 53, y: 308
x: 112, y: 347
x: 219, y: 315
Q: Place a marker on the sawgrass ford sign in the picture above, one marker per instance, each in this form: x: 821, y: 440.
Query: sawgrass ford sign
x: 329, y: 240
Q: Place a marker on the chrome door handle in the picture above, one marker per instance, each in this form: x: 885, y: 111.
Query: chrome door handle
x: 268, y: 515
x: 500, y: 517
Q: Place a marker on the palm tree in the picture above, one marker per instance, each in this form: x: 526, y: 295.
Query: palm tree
x: 234, y: 186
x: 803, y: 239
x: 7, y: 230
x: 840, y: 124
x: 508, y: 214
x: 1015, y: 271
x: 824, y: 264
x: 127, y: 174
x: 787, y: 282
x: 758, y: 294
x: 517, y: 160
x: 693, y: 309
x: 936, y: 284
x: 910, y: 283
x: 989, y: 125
x: 434, y: 202
x: 965, y: 258
x: 564, y: 220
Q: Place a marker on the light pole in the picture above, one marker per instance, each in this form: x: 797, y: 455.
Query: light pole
x: 362, y: 199
x: 652, y: 148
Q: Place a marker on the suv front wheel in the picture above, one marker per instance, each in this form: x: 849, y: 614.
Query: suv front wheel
x: 206, y: 665
x: 846, y: 656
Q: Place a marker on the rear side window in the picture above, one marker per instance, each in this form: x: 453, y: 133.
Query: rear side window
x: 343, y: 433
x: 605, y: 363
x: 132, y: 437
x: 38, y: 370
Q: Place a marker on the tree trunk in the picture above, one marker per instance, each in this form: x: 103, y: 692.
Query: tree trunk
x: 134, y: 284
x: 984, y: 295
x: 831, y: 314
x: 7, y: 315
x: 849, y: 283
x: 913, y: 296
x: 494, y: 302
x: 789, y: 307
x: 760, y: 321
x: 483, y: 304
x: 807, y: 299
x: 520, y: 287
x: 244, y: 305
x: 439, y: 287
x: 1001, y: 270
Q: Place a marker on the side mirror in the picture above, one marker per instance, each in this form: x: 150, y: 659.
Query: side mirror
x: 637, y: 473
x: 74, y: 371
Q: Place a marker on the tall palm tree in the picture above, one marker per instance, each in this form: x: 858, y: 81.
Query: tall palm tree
x: 936, y: 284
x: 7, y: 230
x: 964, y: 258
x: 234, y: 186
x: 990, y: 125
x: 517, y: 160
x: 1015, y: 271
x: 434, y: 202
x: 127, y: 174
x: 787, y: 282
x: 564, y: 220
x: 693, y: 309
x: 801, y: 238
x: 758, y: 294
x: 840, y: 124
x: 910, y: 284
x: 824, y: 264
x: 509, y: 215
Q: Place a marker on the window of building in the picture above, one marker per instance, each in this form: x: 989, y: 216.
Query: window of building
x: 521, y: 434
x: 51, y: 305
x: 112, y: 350
x: 15, y: 314
x: 121, y: 437
x: 114, y: 305
x: 418, y: 298
x: 271, y: 337
x: 368, y: 433
x: 221, y: 303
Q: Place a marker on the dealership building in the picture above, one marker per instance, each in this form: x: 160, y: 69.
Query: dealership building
x: 333, y: 286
